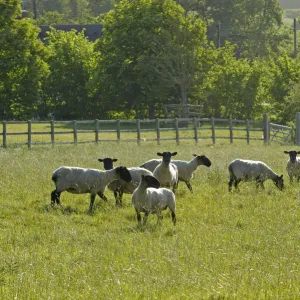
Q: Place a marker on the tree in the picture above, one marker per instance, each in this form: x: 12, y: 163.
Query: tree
x: 22, y: 62
x: 151, y: 54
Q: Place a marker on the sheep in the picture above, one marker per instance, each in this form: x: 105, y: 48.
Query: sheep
x: 293, y: 165
x: 79, y: 181
x: 120, y: 186
x: 150, y: 198
x: 185, y: 168
x: 166, y: 172
x: 246, y: 170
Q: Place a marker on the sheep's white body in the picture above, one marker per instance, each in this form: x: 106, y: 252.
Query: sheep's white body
x: 293, y: 168
x: 167, y: 175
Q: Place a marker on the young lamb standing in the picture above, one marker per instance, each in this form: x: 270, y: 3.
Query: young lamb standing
x: 166, y: 172
x: 247, y: 170
x: 150, y: 198
x: 119, y: 186
x: 293, y: 165
x: 79, y: 181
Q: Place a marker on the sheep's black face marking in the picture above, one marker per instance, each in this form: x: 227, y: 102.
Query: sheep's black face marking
x: 203, y: 160
x: 108, y: 163
x: 166, y: 156
x: 124, y: 173
x: 293, y: 155
x: 151, y: 181
x: 279, y: 182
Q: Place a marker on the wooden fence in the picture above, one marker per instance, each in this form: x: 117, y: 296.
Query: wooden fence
x: 98, y: 131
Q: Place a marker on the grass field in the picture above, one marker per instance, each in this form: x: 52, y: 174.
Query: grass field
x: 243, y: 245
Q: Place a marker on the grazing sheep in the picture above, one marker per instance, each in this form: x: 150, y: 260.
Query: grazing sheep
x: 166, y: 172
x: 246, y: 170
x: 79, y: 181
x: 186, y: 169
x: 150, y: 198
x: 119, y: 186
x: 293, y: 165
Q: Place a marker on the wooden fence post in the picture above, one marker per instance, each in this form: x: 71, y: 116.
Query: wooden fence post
x: 29, y: 134
x: 298, y: 128
x: 4, y: 134
x: 248, y: 131
x: 97, y: 131
x: 266, y: 129
x: 75, y: 131
x: 52, y: 132
x: 230, y: 131
x: 157, y: 132
x: 138, y: 130
x: 196, y: 130
x: 118, y: 130
x: 177, y: 131
x: 213, y: 133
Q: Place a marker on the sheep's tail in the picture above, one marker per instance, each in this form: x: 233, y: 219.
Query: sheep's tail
x: 54, y: 177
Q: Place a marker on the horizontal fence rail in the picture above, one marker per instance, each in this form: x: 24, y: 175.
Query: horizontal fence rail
x: 178, y: 129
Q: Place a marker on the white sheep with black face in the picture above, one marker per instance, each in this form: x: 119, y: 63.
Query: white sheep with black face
x: 80, y: 180
x: 166, y: 172
x: 293, y: 165
x: 186, y: 169
x: 251, y: 170
x: 119, y: 186
x: 150, y: 198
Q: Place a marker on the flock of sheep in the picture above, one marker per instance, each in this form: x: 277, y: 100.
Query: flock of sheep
x: 149, y: 183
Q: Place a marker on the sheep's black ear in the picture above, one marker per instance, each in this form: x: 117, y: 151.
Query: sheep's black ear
x: 281, y: 176
x: 174, y: 153
x: 286, y: 152
x: 298, y: 152
x: 195, y: 155
x: 100, y: 159
x: 115, y: 159
x: 159, y: 154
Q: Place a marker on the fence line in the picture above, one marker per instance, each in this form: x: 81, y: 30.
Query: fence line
x: 184, y: 129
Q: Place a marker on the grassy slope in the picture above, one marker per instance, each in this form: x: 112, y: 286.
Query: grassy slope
x: 239, y: 245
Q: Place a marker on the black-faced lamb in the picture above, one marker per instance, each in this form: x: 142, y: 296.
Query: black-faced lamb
x: 293, y: 165
x: 150, y: 198
x: 166, y: 172
x: 119, y: 186
x: 186, y: 169
x: 251, y: 170
x: 79, y: 181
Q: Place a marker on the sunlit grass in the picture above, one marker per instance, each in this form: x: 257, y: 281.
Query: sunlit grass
x: 225, y: 246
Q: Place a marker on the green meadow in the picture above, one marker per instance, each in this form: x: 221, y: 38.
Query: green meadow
x: 239, y: 245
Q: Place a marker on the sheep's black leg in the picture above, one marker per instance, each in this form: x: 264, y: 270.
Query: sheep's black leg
x: 174, y: 218
x: 116, y: 197
x: 138, y: 214
x: 93, y: 196
x: 55, y: 197
x: 159, y: 217
x: 145, y: 217
x: 291, y: 179
x: 102, y: 196
x: 175, y: 186
x: 236, y: 183
x: 189, y: 186
x: 231, y: 180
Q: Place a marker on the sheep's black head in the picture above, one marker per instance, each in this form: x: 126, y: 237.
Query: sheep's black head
x: 123, y: 173
x: 150, y: 181
x: 166, y: 156
x: 279, y: 182
x: 108, y: 163
x: 292, y: 154
x: 203, y: 160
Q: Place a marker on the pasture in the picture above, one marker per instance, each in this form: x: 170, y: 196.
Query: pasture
x: 243, y: 245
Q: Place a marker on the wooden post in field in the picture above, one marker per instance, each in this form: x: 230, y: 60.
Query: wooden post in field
x: 230, y: 131
x: 4, y: 134
x: 266, y: 129
x: 177, y: 131
x: 29, y: 134
x: 195, y: 130
x: 247, y: 131
x: 52, y: 132
x: 157, y: 132
x: 138, y: 130
x: 213, y: 132
x: 75, y: 131
x: 97, y: 131
x: 298, y: 128
x: 118, y: 130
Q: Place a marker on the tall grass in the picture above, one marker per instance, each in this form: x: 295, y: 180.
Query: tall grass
x: 243, y: 245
